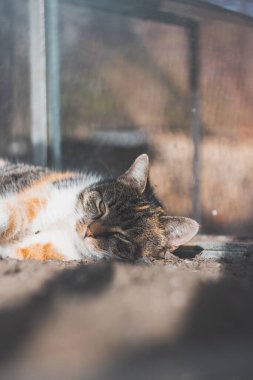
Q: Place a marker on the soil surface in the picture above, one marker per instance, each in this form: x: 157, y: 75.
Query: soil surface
x: 169, y: 319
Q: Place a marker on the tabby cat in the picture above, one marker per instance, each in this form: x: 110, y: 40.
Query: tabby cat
x: 46, y: 214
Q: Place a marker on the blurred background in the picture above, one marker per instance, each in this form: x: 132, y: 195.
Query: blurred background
x: 92, y: 84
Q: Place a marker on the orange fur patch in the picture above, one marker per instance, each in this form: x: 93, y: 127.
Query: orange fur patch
x: 142, y: 207
x: 41, y: 252
x: 33, y: 206
x: 32, y: 202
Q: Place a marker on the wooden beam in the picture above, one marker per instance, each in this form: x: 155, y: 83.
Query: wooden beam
x: 217, y: 248
x: 136, y: 9
x: 183, y: 11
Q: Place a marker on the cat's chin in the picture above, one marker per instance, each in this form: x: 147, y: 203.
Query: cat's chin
x: 90, y: 249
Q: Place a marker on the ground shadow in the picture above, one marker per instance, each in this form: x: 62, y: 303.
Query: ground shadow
x: 188, y: 252
x: 215, y: 340
x: 18, y: 322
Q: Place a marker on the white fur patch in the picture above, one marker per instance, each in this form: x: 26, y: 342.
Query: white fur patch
x: 3, y: 162
x: 4, y: 216
x: 59, y: 236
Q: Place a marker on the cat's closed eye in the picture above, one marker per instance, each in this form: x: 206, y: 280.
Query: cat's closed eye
x: 102, y: 207
x: 92, y: 206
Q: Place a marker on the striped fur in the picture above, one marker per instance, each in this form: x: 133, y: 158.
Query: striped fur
x: 66, y: 215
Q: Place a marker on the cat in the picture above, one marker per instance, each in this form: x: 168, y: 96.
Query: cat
x: 50, y: 215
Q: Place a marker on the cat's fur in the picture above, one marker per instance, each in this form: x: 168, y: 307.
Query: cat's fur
x: 52, y: 215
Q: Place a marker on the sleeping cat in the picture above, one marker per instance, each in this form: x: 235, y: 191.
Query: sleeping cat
x: 46, y: 215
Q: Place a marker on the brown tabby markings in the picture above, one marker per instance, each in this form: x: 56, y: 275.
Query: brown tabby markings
x: 41, y: 252
x: 142, y: 207
x: 95, y: 229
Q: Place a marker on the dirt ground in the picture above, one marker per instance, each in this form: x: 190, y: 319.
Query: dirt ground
x: 176, y: 319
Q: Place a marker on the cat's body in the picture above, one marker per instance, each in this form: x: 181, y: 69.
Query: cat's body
x: 37, y: 207
x: 52, y: 215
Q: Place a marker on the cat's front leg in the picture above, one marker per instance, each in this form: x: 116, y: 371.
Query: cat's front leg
x: 39, y: 251
x: 17, y: 214
x: 32, y: 251
x: 55, y: 243
x: 8, y: 222
x: 15, y: 219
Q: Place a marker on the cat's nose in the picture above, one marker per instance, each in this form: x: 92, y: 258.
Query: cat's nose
x: 88, y: 232
x: 95, y: 229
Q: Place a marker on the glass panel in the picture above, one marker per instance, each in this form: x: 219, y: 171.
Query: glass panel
x: 14, y: 80
x: 242, y: 6
x: 227, y: 98
x: 124, y: 86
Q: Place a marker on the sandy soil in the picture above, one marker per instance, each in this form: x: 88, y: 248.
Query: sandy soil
x: 171, y: 319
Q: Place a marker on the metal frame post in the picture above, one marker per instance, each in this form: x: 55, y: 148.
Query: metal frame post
x: 45, y: 89
x: 38, y: 93
x: 53, y: 80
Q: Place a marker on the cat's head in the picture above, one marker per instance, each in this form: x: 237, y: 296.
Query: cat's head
x: 118, y: 218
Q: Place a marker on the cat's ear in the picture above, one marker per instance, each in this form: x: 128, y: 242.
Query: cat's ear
x: 179, y: 230
x: 137, y: 174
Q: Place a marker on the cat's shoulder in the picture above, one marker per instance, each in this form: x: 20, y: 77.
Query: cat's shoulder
x: 16, y: 177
